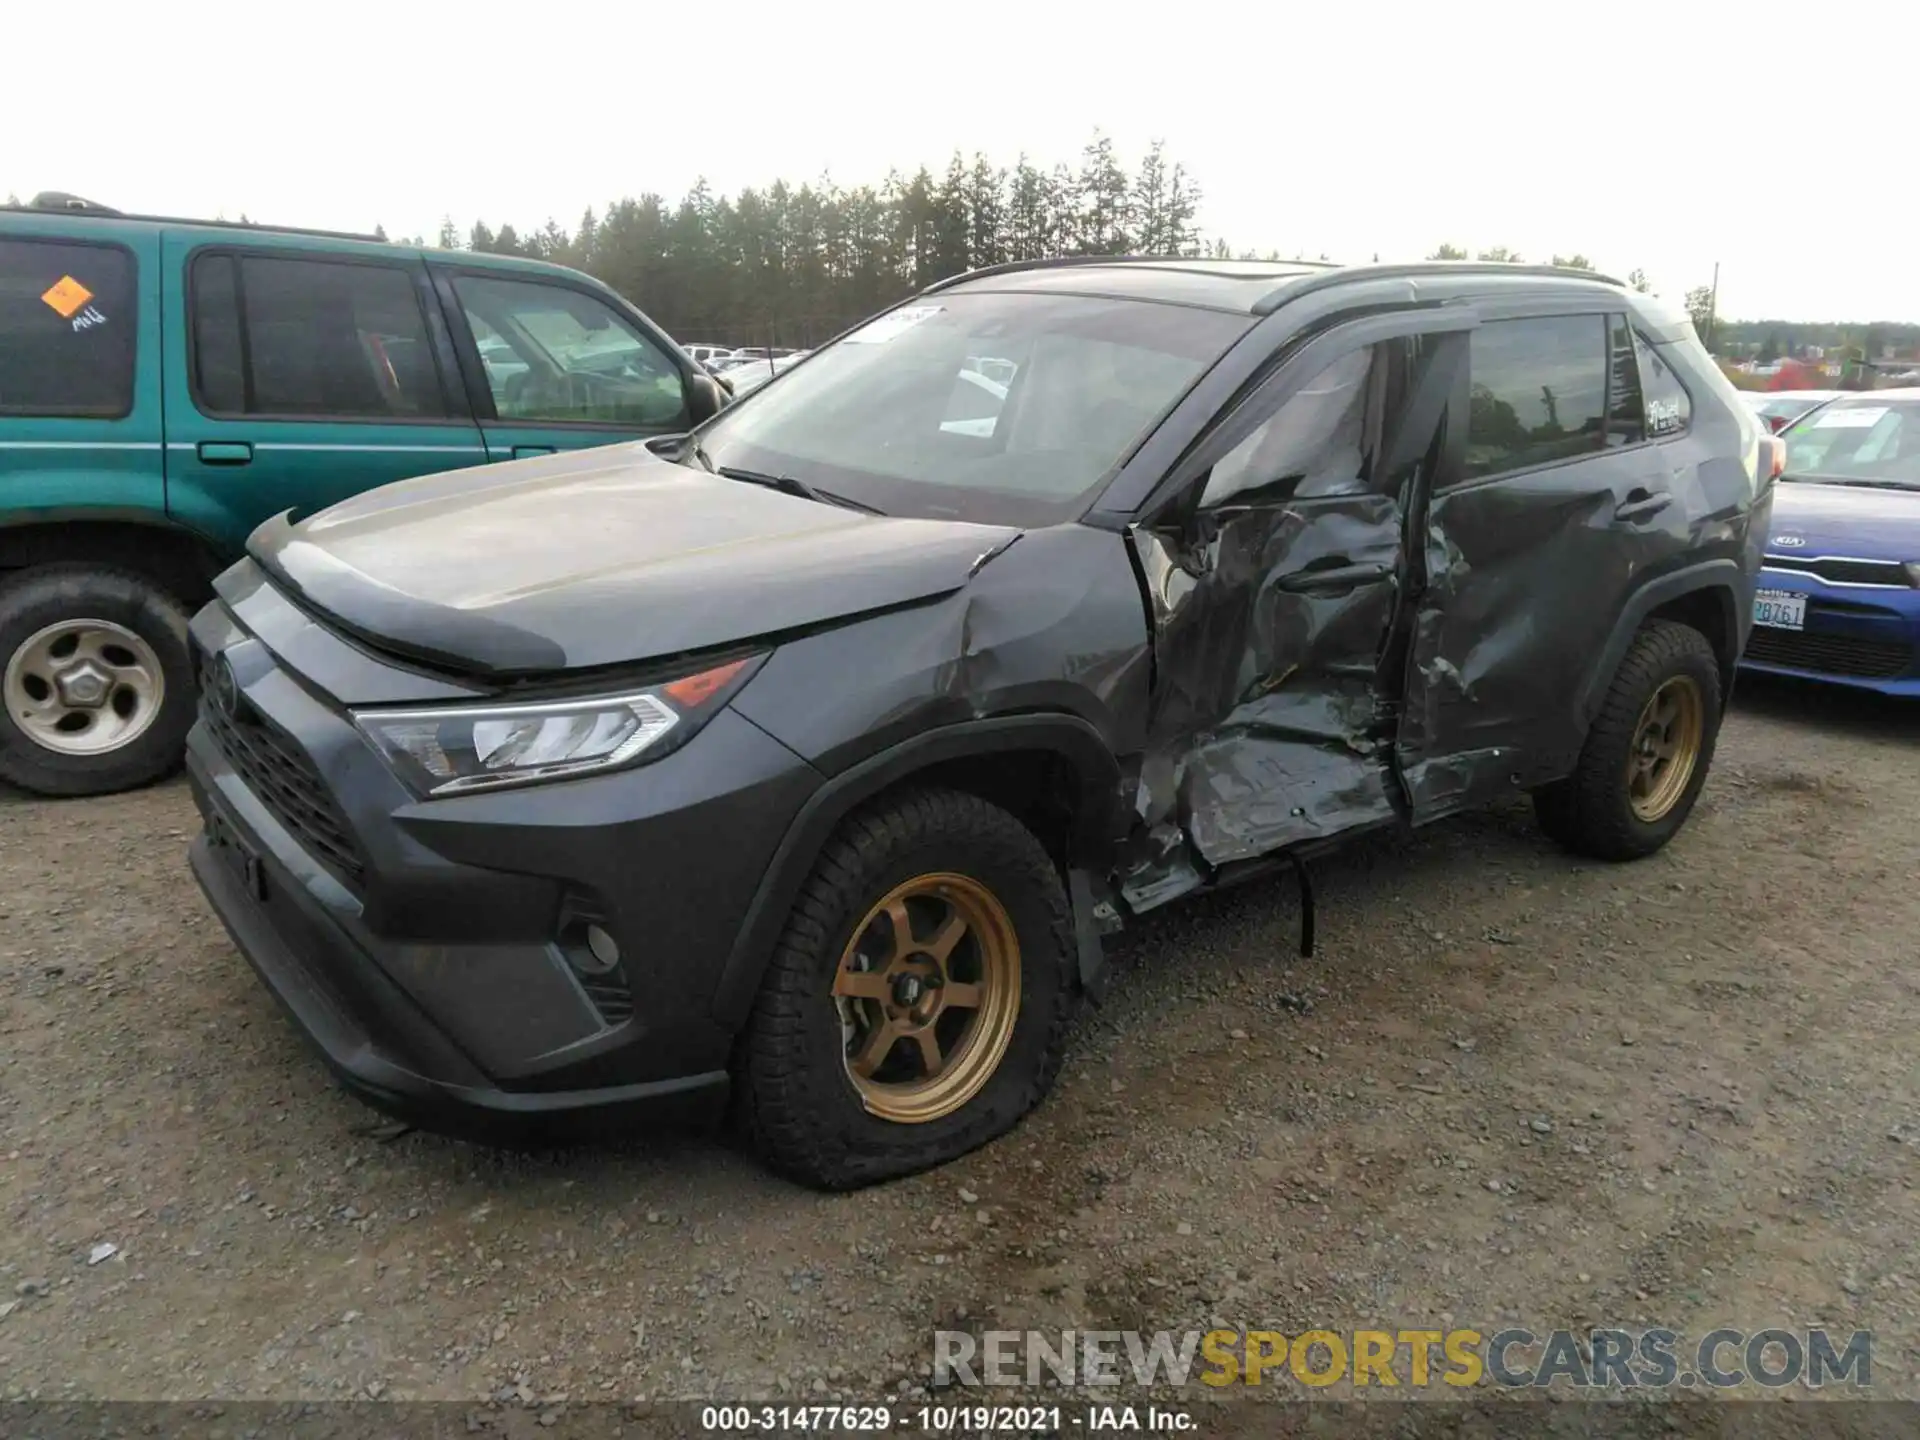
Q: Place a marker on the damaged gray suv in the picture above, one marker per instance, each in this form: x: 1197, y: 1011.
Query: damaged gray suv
x: 805, y: 760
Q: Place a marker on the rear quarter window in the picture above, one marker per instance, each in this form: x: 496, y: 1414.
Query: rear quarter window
x: 67, y: 329
x: 1669, y: 407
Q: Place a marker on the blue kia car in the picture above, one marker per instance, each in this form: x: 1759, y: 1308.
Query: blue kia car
x: 1839, y: 596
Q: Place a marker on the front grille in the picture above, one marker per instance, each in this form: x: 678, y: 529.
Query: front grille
x: 1828, y: 654
x: 284, y: 780
x: 1839, y: 570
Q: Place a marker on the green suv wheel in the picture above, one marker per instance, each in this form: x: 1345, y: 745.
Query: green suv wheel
x: 95, y: 678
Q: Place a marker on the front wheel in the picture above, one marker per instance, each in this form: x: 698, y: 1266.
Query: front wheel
x: 1648, y: 752
x: 916, y: 1005
x: 96, y: 681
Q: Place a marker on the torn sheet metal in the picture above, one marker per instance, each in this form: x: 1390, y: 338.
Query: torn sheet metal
x: 1524, y: 579
x: 1266, y: 727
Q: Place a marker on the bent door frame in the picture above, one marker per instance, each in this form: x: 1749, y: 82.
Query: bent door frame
x: 1169, y: 862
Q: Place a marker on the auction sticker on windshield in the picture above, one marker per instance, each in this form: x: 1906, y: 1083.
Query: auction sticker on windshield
x: 1780, y: 609
x: 1850, y: 417
x: 894, y: 322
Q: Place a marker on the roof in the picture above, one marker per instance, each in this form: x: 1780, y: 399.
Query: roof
x: 1250, y: 287
x: 52, y: 219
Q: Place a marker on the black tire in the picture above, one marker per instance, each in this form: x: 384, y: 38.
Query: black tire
x: 1591, y: 811
x: 33, y: 599
x: 797, y: 1102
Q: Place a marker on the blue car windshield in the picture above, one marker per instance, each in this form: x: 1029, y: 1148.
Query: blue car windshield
x: 1005, y: 408
x: 1862, y: 440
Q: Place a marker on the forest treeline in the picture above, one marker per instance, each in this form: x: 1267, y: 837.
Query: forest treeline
x: 793, y: 265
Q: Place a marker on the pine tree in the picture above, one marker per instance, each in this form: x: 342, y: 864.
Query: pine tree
x: 986, y: 214
x: 1150, y: 196
x: 1029, y: 213
x: 1104, y: 201
x: 1182, y: 207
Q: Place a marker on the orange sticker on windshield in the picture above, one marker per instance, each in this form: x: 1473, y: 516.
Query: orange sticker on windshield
x: 66, y: 295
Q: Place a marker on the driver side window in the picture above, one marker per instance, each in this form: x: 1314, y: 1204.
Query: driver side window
x: 555, y: 355
x: 1317, y: 443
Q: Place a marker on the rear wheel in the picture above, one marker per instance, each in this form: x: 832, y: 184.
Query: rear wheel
x: 916, y: 1004
x: 1648, y: 752
x: 96, y: 680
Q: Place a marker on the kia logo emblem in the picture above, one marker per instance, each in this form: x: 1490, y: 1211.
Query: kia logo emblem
x: 1788, y: 542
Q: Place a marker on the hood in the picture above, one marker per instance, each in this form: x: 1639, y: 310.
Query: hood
x: 601, y: 557
x: 1860, y: 521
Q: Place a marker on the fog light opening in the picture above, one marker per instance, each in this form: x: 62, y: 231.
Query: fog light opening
x: 602, y: 947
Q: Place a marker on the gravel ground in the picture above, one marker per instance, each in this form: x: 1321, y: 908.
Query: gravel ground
x: 1510, y: 1087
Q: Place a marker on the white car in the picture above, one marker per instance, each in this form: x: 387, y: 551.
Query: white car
x: 751, y: 374
x: 1780, y: 408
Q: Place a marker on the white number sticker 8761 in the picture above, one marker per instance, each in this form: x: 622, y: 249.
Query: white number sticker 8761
x: 1780, y: 609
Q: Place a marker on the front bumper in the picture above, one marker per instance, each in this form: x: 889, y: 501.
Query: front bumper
x: 1866, y: 637
x: 423, y: 946
x: 373, y: 1037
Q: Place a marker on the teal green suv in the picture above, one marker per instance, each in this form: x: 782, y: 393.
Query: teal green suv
x: 167, y: 385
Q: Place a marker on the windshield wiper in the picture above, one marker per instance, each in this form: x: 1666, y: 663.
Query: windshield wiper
x: 788, y: 485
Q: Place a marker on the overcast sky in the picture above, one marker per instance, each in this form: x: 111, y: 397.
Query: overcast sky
x: 1666, y: 136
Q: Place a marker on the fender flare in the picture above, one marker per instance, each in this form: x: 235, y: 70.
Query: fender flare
x: 1722, y: 576
x: 1074, y: 740
x: 116, y: 536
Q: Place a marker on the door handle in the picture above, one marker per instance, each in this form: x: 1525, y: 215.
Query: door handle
x: 1642, y: 504
x: 522, y: 452
x: 1335, y: 577
x: 225, y: 452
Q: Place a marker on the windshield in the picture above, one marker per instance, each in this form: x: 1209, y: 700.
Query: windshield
x: 1866, y: 441
x: 1003, y: 408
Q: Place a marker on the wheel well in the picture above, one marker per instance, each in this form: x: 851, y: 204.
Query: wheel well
x: 178, y: 562
x: 1710, y: 612
x: 1039, y: 788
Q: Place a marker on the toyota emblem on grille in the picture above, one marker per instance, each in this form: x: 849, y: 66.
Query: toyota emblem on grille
x: 1788, y: 542
x: 225, y: 688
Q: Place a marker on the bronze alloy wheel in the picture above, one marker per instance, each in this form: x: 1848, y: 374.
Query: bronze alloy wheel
x: 928, y: 992
x: 1666, y: 747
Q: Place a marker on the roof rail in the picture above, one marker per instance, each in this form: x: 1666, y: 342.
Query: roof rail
x: 63, y: 203
x: 1267, y: 304
x: 63, y: 200
x: 1180, y: 264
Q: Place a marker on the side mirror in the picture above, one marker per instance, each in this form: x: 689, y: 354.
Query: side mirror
x: 706, y: 397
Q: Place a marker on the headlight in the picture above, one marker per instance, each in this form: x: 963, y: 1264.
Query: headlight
x: 458, y: 748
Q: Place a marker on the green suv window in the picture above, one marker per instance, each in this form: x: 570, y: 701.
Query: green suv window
x: 551, y: 353
x: 67, y: 318
x: 289, y: 337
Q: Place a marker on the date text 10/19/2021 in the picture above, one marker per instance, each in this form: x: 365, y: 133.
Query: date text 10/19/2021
x: 942, y: 1419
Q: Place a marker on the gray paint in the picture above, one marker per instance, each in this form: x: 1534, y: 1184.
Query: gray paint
x: 1254, y: 708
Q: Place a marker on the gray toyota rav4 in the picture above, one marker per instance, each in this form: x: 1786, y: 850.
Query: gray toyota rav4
x: 804, y: 760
